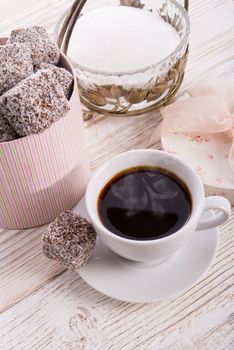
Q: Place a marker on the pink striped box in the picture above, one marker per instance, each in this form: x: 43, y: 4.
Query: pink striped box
x: 45, y: 174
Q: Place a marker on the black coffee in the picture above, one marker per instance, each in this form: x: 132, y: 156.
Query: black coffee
x: 144, y: 203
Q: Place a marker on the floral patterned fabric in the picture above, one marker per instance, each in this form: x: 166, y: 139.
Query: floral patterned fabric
x: 208, y: 109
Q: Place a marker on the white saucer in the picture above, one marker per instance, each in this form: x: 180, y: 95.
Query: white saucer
x: 133, y: 282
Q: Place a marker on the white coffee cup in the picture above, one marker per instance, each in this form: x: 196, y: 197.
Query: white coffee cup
x: 157, y: 249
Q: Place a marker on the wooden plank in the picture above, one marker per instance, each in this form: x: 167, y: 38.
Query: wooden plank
x: 23, y: 266
x: 105, y: 137
x: 16, y: 14
x: 41, y: 311
x: 67, y: 313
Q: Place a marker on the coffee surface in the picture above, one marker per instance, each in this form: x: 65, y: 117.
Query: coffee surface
x: 144, y: 203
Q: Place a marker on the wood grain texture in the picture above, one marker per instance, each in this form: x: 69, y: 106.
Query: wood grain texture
x: 67, y: 314
x: 43, y: 307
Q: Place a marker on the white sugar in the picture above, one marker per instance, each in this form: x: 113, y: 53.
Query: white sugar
x: 120, y: 39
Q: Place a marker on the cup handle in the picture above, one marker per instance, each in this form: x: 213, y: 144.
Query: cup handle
x: 223, y: 214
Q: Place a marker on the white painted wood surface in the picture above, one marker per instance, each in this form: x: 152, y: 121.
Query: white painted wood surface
x: 44, y: 307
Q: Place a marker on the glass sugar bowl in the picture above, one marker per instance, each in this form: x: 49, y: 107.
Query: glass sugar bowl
x: 128, y: 91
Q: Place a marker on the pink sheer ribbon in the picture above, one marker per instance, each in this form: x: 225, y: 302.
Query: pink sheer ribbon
x: 208, y: 109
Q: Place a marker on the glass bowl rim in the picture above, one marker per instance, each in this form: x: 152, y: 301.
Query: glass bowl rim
x: 149, y: 67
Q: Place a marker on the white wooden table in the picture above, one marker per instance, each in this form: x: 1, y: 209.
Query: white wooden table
x: 45, y: 307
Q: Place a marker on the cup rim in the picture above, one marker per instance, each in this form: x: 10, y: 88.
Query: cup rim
x: 94, y: 218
